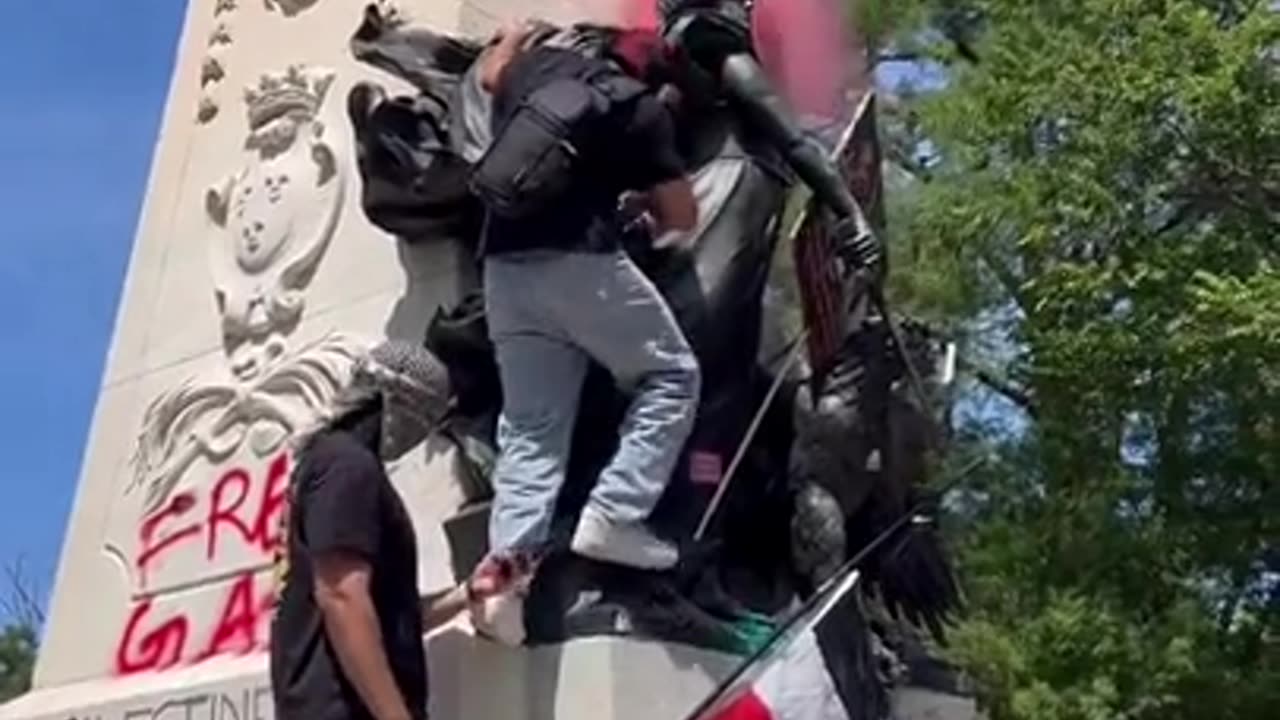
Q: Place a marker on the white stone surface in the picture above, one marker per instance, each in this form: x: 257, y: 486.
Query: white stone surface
x: 612, y: 678
x: 922, y: 704
x: 254, y: 278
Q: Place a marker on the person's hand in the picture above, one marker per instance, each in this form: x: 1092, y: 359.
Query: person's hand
x: 635, y: 203
x: 497, y: 575
x: 670, y: 96
x: 517, y: 28
x: 856, y: 244
x: 510, y: 26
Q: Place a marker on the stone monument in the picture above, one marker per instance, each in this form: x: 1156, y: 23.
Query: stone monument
x: 254, y: 279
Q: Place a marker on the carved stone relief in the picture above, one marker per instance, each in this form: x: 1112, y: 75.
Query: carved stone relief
x: 212, y: 70
x: 272, y: 221
x: 289, y: 8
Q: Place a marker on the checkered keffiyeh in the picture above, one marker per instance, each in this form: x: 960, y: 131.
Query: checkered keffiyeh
x: 415, y: 390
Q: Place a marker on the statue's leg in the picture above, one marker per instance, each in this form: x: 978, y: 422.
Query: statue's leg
x: 716, y: 292
x: 818, y: 544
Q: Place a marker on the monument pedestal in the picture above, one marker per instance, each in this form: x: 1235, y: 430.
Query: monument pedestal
x: 588, y: 679
x: 603, y: 678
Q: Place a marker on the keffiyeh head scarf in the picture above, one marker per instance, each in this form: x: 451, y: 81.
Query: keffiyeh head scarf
x: 414, y: 389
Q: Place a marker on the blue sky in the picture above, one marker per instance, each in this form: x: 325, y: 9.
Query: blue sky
x: 84, y: 85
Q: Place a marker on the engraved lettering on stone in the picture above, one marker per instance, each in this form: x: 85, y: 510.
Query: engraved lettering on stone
x: 271, y: 221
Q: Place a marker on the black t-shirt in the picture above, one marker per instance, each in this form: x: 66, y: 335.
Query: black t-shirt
x: 341, y: 499
x: 635, y: 150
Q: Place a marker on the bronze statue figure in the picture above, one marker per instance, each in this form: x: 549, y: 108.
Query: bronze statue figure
x: 832, y: 465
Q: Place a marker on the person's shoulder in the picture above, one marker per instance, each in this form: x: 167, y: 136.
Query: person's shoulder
x: 338, y: 453
x: 648, y: 118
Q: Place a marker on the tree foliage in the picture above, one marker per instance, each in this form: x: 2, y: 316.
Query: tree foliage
x: 17, y: 659
x: 19, y: 635
x: 1097, y: 218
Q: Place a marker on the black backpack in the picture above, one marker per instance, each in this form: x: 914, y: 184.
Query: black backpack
x: 537, y: 154
x: 413, y: 184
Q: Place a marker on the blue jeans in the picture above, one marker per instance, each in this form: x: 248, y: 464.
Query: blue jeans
x: 549, y: 313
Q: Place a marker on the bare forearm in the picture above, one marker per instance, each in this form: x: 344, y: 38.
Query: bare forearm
x: 443, y: 607
x: 352, y: 627
x: 495, y: 62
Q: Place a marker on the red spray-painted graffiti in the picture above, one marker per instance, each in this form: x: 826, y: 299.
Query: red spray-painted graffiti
x: 237, y: 512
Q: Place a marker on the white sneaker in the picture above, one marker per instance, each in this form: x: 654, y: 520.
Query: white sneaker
x: 630, y: 544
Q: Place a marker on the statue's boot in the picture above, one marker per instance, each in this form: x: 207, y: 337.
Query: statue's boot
x: 577, y: 597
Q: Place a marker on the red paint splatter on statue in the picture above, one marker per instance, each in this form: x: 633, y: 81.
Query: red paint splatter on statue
x: 805, y: 50
x: 803, y: 46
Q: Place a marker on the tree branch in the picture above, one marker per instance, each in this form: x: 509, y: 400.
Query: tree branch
x: 1002, y: 386
x: 898, y: 57
x: 20, y: 602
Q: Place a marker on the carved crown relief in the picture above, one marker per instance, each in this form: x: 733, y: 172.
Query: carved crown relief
x: 271, y: 222
x: 275, y: 219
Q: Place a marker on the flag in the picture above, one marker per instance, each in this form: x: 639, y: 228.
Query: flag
x: 820, y: 667
x: 823, y: 296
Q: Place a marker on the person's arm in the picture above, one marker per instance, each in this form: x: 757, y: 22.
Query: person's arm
x: 442, y: 607
x: 341, y: 519
x: 351, y: 624
x: 668, y: 194
x: 495, y: 61
x: 484, y: 583
x: 674, y: 206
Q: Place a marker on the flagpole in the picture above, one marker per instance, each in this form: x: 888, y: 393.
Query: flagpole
x: 834, y: 587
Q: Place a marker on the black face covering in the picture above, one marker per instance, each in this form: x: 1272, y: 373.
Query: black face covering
x: 734, y: 12
x: 670, y: 7
x: 411, y: 389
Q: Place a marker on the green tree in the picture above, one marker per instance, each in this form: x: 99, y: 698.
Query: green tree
x: 17, y: 659
x: 19, y: 635
x: 1097, y: 218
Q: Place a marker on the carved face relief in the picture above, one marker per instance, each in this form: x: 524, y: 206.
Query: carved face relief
x: 260, y: 224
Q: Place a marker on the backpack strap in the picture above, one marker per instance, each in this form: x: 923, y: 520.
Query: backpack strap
x: 617, y: 87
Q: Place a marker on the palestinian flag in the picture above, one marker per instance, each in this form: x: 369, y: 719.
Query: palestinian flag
x: 819, y: 667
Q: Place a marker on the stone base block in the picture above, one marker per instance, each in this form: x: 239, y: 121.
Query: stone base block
x: 590, y: 679
x: 222, y: 689
x: 914, y: 703
x: 606, y: 678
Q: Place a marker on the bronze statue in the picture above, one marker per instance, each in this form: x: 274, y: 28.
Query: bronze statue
x: 833, y: 464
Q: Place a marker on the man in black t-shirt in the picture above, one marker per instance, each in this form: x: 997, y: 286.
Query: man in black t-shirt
x: 347, y: 637
x: 559, y: 292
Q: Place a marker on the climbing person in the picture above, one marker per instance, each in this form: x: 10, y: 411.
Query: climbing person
x: 571, y: 136
x: 347, y: 636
